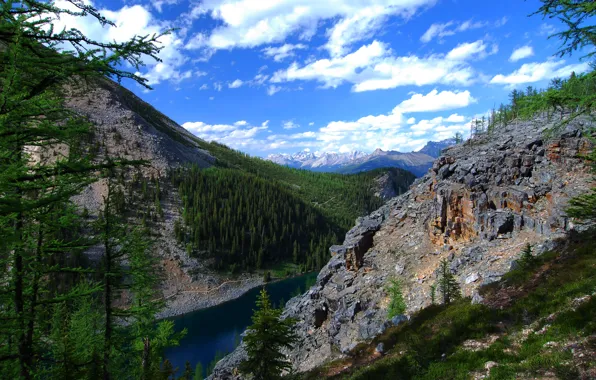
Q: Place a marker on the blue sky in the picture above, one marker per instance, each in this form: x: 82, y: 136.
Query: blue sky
x: 278, y: 76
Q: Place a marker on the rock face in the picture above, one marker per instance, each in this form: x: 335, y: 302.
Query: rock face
x: 477, y: 207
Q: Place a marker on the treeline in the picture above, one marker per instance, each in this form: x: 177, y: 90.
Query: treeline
x: 240, y: 221
x: 574, y: 95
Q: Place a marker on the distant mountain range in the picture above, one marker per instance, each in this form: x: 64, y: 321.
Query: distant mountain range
x: 353, y: 162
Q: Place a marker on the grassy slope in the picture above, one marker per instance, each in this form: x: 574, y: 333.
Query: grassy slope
x: 536, y: 316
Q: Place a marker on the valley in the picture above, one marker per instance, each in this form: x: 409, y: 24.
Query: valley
x: 135, y: 245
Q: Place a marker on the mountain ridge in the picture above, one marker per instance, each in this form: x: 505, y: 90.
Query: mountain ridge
x: 357, y: 161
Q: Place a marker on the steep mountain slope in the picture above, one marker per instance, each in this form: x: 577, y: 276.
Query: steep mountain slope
x: 434, y: 148
x: 478, y: 206
x: 417, y: 163
x: 127, y: 127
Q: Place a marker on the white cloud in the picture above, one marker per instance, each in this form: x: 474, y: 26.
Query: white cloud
x: 260, y: 79
x: 373, y: 67
x: 251, y: 23
x: 217, y: 86
x: 435, y: 101
x: 290, y: 124
x: 235, y: 84
x: 273, y: 89
x: 450, y: 28
x: 437, y: 30
x: 455, y: 118
x: 311, y: 123
x: 239, y: 135
x: 282, y: 52
x: 131, y: 21
x: 467, y: 50
x: 204, y: 87
x: 356, y: 27
x: 521, y: 53
x: 158, y: 4
x: 537, y: 71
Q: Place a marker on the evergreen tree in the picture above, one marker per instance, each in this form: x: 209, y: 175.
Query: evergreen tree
x: 198, y: 375
x: 265, y: 339
x: 527, y: 258
x: 448, y: 285
x: 397, y: 304
x: 433, y: 294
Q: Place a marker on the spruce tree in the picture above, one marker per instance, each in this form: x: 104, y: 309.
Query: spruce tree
x: 265, y: 339
x: 448, y: 285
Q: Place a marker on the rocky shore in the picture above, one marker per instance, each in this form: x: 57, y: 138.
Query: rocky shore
x: 189, y: 301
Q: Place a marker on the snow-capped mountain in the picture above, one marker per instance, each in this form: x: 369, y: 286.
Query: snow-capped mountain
x: 352, y: 162
x: 318, y: 161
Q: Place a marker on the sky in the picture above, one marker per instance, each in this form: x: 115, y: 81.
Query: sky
x: 280, y: 76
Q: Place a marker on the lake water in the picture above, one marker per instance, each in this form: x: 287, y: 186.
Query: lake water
x: 218, y: 328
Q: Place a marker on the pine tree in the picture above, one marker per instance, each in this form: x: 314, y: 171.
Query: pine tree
x: 448, y: 285
x: 397, y: 304
x: 265, y: 339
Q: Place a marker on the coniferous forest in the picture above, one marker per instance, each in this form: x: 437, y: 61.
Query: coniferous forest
x: 240, y: 221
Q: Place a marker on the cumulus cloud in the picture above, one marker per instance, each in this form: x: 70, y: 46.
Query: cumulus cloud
x: 435, y: 101
x: 250, y: 23
x: 282, y: 52
x: 374, y: 67
x: 235, y: 84
x: 521, y: 53
x: 468, y: 50
x: 537, y: 71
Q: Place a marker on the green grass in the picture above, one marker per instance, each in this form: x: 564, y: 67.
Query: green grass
x: 430, y: 346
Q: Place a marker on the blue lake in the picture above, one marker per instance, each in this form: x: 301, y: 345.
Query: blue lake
x: 218, y: 328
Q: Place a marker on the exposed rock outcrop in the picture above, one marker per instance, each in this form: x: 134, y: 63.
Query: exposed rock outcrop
x: 477, y: 207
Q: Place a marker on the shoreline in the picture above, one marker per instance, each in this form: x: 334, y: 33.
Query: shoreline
x: 188, y: 302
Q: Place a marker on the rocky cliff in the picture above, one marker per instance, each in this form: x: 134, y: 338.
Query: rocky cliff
x: 481, y: 202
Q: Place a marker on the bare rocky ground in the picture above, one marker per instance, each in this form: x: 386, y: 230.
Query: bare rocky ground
x: 477, y: 207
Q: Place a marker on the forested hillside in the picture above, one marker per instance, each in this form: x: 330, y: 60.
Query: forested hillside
x: 249, y: 213
x: 340, y: 197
